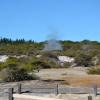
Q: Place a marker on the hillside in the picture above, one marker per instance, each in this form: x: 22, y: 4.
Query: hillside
x: 20, y: 56
x: 83, y: 50
x: 69, y: 48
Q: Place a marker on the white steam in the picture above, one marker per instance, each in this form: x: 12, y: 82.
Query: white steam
x: 52, y: 43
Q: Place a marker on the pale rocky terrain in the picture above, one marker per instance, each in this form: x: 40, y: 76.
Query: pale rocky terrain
x: 72, y: 75
x: 65, y: 97
x: 61, y: 72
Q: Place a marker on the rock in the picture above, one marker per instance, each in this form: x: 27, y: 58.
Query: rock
x: 66, y: 59
x: 38, y: 56
x: 3, y: 58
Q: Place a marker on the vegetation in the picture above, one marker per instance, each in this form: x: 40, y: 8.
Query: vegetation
x: 19, y: 47
x: 16, y: 70
x: 70, y: 48
x: 15, y: 74
x: 94, y: 70
x: 84, y: 52
x: 83, y: 60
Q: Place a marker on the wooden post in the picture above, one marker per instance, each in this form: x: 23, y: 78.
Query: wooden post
x: 95, y: 90
x: 89, y: 97
x: 57, y: 90
x: 19, y: 88
x: 11, y: 94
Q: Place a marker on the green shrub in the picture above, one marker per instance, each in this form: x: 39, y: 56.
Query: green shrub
x: 48, y: 54
x: 67, y: 65
x: 10, y: 74
x: 40, y: 64
x: 11, y: 61
x: 27, y: 66
x: 83, y: 60
x: 2, y: 66
x: 94, y: 70
x: 15, y: 70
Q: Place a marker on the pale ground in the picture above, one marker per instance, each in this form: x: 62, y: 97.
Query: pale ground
x: 67, y: 97
x: 61, y: 72
x: 76, y: 76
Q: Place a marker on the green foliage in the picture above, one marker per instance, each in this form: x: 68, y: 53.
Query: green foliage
x: 50, y: 55
x: 40, y: 64
x: 94, y: 70
x: 83, y: 51
x: 19, y: 47
x: 16, y: 70
x: 70, y: 53
x: 83, y: 60
x: 13, y: 73
x: 27, y: 66
x: 67, y: 65
x: 70, y: 48
x: 10, y: 62
x: 2, y: 66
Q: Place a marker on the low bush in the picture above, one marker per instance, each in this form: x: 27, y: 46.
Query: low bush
x: 83, y: 60
x: 67, y: 65
x: 40, y: 64
x: 94, y: 70
x: 15, y: 73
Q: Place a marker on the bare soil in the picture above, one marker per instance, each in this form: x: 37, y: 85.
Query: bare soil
x: 76, y: 76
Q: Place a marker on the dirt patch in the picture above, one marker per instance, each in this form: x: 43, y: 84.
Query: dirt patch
x: 88, y: 80
x: 61, y: 72
x: 76, y: 76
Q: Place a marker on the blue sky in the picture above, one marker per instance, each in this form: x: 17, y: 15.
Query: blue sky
x: 35, y: 19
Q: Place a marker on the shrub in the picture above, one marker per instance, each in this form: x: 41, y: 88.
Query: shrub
x: 67, y: 65
x: 27, y: 66
x: 40, y: 64
x: 83, y: 60
x: 94, y: 70
x: 48, y: 54
x: 2, y: 66
x: 11, y: 61
x: 14, y: 74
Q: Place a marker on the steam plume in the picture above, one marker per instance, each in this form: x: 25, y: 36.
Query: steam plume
x: 52, y: 43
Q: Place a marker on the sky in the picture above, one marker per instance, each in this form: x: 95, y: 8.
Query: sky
x: 36, y: 19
